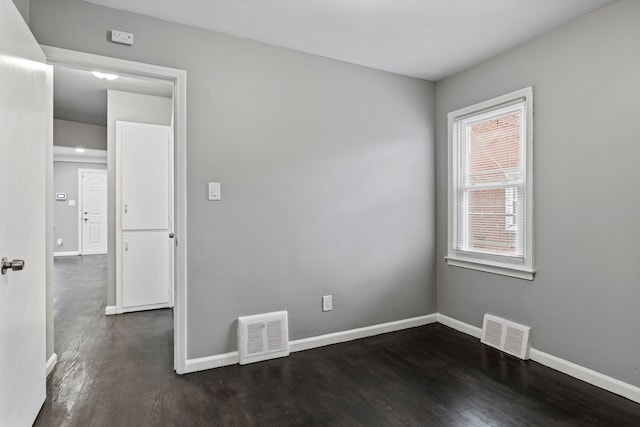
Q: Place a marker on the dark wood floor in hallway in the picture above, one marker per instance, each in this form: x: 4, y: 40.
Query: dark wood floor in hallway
x: 117, y: 371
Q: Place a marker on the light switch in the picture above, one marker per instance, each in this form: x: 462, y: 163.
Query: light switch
x: 214, y: 191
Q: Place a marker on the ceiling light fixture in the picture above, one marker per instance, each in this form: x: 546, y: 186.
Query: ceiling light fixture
x: 79, y: 150
x: 105, y: 76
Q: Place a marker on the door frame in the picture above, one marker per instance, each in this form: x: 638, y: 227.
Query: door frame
x: 88, y: 61
x: 80, y: 205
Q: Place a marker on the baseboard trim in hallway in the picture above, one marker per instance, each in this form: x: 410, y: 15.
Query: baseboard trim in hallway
x: 110, y: 310
x: 69, y: 253
x: 51, y: 363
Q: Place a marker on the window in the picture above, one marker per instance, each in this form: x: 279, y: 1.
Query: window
x: 491, y: 185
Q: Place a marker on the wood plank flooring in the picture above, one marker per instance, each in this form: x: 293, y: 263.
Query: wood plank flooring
x: 117, y: 371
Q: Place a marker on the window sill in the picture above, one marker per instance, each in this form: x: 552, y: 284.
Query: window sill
x: 519, y: 272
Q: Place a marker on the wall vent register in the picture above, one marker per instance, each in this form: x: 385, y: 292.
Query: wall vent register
x: 510, y: 337
x: 263, y: 337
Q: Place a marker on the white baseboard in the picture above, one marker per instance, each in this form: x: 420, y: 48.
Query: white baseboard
x: 466, y: 328
x: 354, y: 334
x: 580, y: 372
x: 71, y: 253
x: 210, y: 362
x: 587, y: 375
x: 231, y: 358
x: 51, y: 363
x: 110, y: 310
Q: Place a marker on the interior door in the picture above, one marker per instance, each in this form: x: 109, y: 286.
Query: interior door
x: 144, y: 155
x: 94, y: 211
x: 26, y: 95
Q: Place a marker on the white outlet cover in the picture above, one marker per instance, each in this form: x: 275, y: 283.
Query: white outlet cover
x: 214, y: 191
x: 327, y: 303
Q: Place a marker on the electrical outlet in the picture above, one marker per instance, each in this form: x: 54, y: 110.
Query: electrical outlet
x: 327, y: 303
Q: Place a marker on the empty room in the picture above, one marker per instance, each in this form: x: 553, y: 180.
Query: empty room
x: 351, y: 213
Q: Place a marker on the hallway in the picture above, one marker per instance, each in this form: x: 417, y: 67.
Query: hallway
x: 103, y: 361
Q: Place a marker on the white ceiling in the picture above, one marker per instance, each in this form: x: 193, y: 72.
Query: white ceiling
x: 79, y: 96
x: 428, y: 39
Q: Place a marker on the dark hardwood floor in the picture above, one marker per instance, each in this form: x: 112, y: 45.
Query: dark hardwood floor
x: 117, y: 371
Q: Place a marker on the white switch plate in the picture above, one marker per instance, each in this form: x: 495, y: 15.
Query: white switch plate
x: 214, y: 191
x: 122, y: 37
x: 327, y: 303
x: 72, y: 202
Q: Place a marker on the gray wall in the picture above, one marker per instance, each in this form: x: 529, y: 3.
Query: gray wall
x: 583, y: 303
x: 327, y: 173
x: 23, y: 8
x: 73, y: 134
x: 130, y: 107
x: 65, y: 217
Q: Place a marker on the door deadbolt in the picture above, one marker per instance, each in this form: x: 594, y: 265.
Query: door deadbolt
x: 15, y: 265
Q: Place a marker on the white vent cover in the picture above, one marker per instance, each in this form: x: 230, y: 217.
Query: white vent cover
x: 505, y: 335
x: 262, y: 337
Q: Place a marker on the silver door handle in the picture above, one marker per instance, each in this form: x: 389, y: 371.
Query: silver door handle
x: 15, y: 265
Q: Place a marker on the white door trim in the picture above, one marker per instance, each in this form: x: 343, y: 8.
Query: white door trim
x: 79, y: 206
x: 58, y: 56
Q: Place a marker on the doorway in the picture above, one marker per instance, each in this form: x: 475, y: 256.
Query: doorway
x: 177, y: 78
x: 92, y: 211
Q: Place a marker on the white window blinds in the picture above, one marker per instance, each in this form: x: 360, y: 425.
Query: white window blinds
x: 490, y: 183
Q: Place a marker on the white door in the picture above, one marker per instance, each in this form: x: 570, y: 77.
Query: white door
x: 145, y: 191
x: 26, y: 95
x: 93, y: 211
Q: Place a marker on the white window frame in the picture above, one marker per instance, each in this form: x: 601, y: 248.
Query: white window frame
x: 519, y: 267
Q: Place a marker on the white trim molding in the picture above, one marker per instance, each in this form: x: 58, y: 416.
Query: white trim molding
x: 231, y: 358
x: 69, y: 253
x: 88, y: 61
x: 210, y: 362
x: 51, y: 363
x: 354, y: 334
x: 587, y: 375
x: 459, y: 187
x: 466, y: 328
x: 110, y: 310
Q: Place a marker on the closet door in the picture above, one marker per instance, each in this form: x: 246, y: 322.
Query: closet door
x: 145, y: 153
